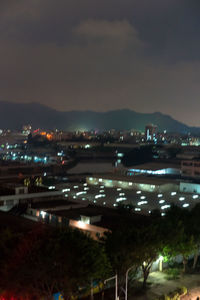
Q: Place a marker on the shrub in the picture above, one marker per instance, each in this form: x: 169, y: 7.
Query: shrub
x: 175, y: 295
x: 183, y: 290
x: 172, y: 273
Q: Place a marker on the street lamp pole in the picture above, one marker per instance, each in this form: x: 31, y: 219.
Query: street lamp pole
x: 126, y: 288
x: 116, y: 285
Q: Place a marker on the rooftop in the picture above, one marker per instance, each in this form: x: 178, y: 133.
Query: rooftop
x: 110, y: 218
x: 52, y: 204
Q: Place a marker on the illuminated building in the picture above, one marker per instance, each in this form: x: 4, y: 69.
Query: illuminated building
x: 151, y: 132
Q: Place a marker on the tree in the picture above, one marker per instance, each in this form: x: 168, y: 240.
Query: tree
x: 130, y: 246
x: 50, y: 260
x: 119, y: 246
x: 179, y: 239
x: 148, y: 247
x: 8, y: 240
x: 194, y: 229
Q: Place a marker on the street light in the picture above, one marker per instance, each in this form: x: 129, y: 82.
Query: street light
x: 126, y: 288
x: 160, y: 259
x: 116, y: 286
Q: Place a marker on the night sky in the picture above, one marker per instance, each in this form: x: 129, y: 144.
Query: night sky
x: 102, y: 55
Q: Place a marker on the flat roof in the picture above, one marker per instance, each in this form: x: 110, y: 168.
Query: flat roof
x: 110, y: 218
x: 52, y: 204
x: 4, y: 191
x: 88, y: 211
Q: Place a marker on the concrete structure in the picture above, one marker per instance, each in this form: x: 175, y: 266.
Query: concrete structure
x: 81, y: 216
x: 190, y: 168
x: 189, y: 187
x: 7, y: 202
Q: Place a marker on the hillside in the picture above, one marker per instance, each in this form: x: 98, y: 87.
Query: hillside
x: 14, y: 115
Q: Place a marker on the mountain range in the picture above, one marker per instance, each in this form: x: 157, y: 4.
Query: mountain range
x: 15, y: 115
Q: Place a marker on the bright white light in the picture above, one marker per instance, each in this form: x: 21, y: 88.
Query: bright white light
x: 80, y: 193
x: 87, y: 146
x: 100, y: 179
x: 142, y: 197
x: 114, y: 204
x: 83, y: 199
x: 137, y: 209
x: 121, y: 194
x: 101, y: 191
x: 185, y: 205
x: 75, y: 186
x: 149, y: 211
x: 99, y: 196
x: 161, y: 201
x: 85, y: 184
x: 52, y: 187
x: 160, y: 195
x: 120, y: 154
x: 121, y: 199
x: 65, y: 190
x: 66, y: 195
x: 165, y: 206
x: 104, y: 203
x: 173, y: 193
x: 181, y: 198
x: 43, y: 213
x: 74, y: 197
x: 81, y: 224
x: 86, y: 188
x: 138, y: 192
x: 195, y: 196
x: 90, y: 178
x: 101, y: 186
x: 163, y: 214
x: 130, y: 183
x: 142, y: 202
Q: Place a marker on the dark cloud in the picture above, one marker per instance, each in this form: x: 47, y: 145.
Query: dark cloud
x: 102, y: 54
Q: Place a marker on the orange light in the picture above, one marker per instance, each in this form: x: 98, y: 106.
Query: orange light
x: 43, y: 133
x: 49, y: 136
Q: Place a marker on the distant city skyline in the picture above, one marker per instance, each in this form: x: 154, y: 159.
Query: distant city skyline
x: 143, y: 55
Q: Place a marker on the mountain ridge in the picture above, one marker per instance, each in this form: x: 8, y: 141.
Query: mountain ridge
x: 15, y: 115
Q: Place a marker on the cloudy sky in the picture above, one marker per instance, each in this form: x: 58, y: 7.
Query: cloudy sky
x: 102, y: 55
